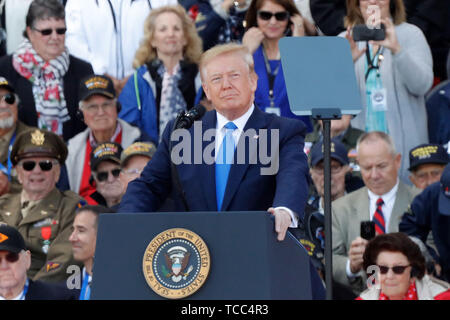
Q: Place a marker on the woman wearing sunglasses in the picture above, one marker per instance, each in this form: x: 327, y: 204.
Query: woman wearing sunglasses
x: 399, y: 268
x: 44, y: 74
x: 267, y: 21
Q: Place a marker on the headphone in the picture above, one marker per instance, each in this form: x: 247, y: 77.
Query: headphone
x: 80, y: 114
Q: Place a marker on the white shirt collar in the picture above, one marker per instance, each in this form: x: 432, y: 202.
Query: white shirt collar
x: 387, y: 197
x: 239, y: 122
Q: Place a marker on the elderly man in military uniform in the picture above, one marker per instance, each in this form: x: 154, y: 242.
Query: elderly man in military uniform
x: 10, y: 128
x: 42, y: 214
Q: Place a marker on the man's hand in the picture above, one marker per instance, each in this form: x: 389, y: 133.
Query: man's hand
x: 282, y: 222
x: 357, y: 248
x: 4, y: 184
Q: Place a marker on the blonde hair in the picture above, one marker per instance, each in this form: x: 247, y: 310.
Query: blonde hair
x: 191, y: 52
x: 228, y: 48
x: 354, y: 15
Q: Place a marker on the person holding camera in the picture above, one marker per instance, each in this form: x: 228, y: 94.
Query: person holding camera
x: 382, y: 201
x: 400, y: 272
x: 267, y: 21
x: 394, y: 70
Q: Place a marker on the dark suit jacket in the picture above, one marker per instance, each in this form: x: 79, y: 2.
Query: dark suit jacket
x: 78, y: 69
x: 39, y: 290
x: 246, y: 190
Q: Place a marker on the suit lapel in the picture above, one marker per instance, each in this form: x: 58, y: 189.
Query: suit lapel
x: 400, y: 205
x: 237, y: 171
x: 206, y: 172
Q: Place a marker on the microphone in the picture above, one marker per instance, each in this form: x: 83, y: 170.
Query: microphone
x: 186, y: 120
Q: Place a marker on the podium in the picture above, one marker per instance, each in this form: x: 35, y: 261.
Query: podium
x: 246, y: 260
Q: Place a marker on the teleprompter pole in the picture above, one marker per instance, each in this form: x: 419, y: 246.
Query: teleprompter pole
x: 326, y: 115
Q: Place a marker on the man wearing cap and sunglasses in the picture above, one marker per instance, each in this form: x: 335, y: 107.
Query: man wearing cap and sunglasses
x: 15, y: 261
x: 105, y: 168
x: 10, y: 128
x: 40, y: 212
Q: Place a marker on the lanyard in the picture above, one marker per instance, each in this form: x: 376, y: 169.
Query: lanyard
x: 271, y: 75
x: 7, y: 171
x: 371, y: 62
x: 86, y: 287
x: 25, y: 290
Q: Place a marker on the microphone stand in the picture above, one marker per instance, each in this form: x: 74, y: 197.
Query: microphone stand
x: 174, y: 172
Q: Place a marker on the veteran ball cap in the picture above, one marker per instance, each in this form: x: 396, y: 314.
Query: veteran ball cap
x: 427, y: 153
x: 38, y: 143
x: 4, y: 83
x: 96, y: 84
x: 337, y: 152
x: 105, y: 151
x: 10, y: 239
x: 444, y: 194
x: 147, y: 149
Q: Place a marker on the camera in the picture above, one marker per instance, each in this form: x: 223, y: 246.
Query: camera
x: 362, y: 32
x: 367, y: 230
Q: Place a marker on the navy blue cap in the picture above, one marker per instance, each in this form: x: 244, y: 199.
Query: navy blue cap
x: 11, y: 240
x: 444, y: 195
x: 337, y: 152
x: 427, y: 153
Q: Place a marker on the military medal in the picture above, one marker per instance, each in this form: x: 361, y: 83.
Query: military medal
x: 46, y: 233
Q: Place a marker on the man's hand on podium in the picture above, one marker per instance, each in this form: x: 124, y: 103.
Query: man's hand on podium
x: 282, y: 221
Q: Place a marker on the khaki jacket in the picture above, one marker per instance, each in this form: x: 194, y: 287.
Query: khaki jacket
x: 52, y: 217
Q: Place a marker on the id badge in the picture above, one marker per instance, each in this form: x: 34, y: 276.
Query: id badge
x: 378, y: 98
x: 273, y: 110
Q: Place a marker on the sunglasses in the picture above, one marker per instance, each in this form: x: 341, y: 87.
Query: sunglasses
x: 11, y: 257
x: 9, y: 98
x: 280, y: 16
x: 103, y: 175
x: 396, y: 269
x: 47, y: 32
x: 45, y: 165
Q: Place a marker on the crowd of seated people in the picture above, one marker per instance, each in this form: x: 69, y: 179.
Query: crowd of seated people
x: 78, y: 123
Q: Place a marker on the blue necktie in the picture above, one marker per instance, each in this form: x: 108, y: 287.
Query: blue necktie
x: 224, y: 160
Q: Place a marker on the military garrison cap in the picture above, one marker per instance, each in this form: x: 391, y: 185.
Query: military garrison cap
x: 38, y: 143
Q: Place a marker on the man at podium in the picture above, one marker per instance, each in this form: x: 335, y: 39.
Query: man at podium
x: 250, y: 160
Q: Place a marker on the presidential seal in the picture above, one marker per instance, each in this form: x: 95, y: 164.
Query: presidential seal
x: 176, y: 263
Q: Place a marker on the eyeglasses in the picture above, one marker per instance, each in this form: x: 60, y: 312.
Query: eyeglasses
x: 103, y: 175
x: 334, y: 169
x: 267, y: 15
x: 47, y: 32
x: 11, y: 257
x: 45, y: 165
x: 95, y: 108
x: 9, y: 98
x: 396, y: 269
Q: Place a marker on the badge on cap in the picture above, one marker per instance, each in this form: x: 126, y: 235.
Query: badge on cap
x: 3, y: 237
x: 37, y: 138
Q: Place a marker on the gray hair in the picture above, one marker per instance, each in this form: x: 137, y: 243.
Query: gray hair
x: 43, y: 10
x: 373, y: 136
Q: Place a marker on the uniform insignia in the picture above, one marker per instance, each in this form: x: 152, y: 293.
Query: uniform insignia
x: 37, y: 138
x: 52, y: 266
x: 308, y: 245
x: 3, y: 237
x: 81, y: 203
x: 176, y: 263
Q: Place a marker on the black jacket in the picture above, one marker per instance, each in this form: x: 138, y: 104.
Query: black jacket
x: 78, y: 69
x: 39, y: 290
